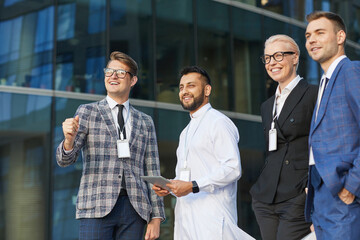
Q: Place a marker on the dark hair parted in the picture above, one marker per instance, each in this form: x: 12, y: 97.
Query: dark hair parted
x: 333, y: 17
x: 125, y: 59
x: 196, y: 69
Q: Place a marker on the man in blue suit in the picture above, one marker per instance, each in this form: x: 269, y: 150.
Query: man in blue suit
x: 118, y: 145
x: 333, y: 202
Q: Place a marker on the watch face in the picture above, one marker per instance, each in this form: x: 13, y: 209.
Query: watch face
x: 195, y: 187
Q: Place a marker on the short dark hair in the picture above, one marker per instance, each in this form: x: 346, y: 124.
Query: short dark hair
x: 333, y: 17
x: 196, y: 69
x: 125, y: 59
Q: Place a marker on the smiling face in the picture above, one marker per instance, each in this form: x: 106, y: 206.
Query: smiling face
x: 117, y: 88
x: 193, y: 92
x: 323, y: 43
x: 284, y: 71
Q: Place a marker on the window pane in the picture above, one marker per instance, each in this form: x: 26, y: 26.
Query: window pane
x: 24, y: 166
x: 131, y: 32
x: 81, y: 50
x: 97, y: 18
x: 26, y: 46
x: 66, y: 21
x: 248, y: 68
x: 174, y: 45
x: 214, y: 50
x: 66, y: 180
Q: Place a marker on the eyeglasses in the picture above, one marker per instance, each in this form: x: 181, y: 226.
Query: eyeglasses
x: 120, y: 73
x: 278, y: 56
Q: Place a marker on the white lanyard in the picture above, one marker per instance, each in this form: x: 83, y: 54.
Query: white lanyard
x: 272, y: 132
x: 186, y: 148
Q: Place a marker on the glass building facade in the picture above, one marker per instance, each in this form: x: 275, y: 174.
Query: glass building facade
x: 51, y: 58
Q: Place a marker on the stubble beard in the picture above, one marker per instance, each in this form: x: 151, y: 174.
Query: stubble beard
x: 195, y: 104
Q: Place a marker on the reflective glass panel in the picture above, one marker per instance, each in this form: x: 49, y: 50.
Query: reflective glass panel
x: 66, y: 180
x: 248, y: 69
x: 81, y: 46
x: 24, y: 166
x: 174, y: 45
x: 26, y: 36
x: 131, y: 32
x: 214, y: 50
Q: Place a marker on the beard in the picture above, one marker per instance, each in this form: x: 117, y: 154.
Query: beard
x: 195, y: 104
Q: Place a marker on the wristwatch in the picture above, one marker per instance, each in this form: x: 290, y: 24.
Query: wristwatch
x: 195, y: 187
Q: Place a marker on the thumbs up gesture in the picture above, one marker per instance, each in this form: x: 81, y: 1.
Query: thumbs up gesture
x: 70, y: 128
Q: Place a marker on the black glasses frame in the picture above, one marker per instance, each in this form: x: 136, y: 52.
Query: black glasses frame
x: 107, y: 72
x: 278, y: 56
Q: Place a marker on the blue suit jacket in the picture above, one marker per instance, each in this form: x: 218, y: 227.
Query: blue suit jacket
x: 100, y: 183
x: 335, y: 135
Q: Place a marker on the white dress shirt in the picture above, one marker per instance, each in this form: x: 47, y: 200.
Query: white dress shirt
x: 280, y: 97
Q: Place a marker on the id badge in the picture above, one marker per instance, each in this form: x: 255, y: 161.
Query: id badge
x: 272, y: 139
x: 123, y: 148
x: 185, y: 174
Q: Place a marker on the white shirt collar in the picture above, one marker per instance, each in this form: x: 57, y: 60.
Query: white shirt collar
x: 112, y: 103
x: 201, y: 111
x: 288, y: 87
x: 332, y: 67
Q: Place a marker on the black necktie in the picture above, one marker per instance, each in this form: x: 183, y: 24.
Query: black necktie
x: 121, y: 120
x: 122, y: 128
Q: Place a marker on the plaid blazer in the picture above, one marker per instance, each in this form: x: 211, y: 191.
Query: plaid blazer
x: 100, y: 183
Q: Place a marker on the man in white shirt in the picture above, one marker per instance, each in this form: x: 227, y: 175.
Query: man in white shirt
x: 208, y: 167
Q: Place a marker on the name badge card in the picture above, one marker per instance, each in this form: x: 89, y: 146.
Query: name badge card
x: 185, y: 174
x: 272, y: 138
x: 123, y: 148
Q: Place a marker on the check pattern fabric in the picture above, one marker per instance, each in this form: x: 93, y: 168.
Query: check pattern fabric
x: 100, y: 183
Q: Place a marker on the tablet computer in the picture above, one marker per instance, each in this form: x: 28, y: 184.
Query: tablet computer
x: 157, y: 181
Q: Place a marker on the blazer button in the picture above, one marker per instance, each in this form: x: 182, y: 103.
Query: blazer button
x: 287, y: 162
x: 292, y: 120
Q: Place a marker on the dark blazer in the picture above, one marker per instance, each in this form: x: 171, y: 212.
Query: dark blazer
x: 284, y: 174
x: 100, y: 183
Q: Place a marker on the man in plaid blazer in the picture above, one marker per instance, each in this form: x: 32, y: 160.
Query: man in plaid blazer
x: 113, y: 202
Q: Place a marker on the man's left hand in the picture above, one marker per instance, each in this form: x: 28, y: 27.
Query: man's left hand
x: 346, y: 196
x: 153, y: 229
x: 180, y: 188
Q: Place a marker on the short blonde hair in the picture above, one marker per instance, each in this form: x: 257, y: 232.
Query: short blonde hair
x: 290, y: 42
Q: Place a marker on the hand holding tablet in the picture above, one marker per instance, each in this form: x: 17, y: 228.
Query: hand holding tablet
x: 157, y: 181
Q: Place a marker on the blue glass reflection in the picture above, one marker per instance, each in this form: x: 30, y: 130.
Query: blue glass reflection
x: 94, y: 75
x: 66, y: 21
x: 97, y: 16
x: 10, y: 33
x: 8, y: 3
x: 64, y: 74
x: 44, y: 30
x: 41, y: 77
x: 117, y: 11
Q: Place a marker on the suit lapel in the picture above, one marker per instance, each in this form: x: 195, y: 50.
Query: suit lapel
x: 269, y: 116
x: 106, y: 115
x: 291, y: 101
x: 326, y: 94
x: 269, y: 111
x: 135, y: 125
